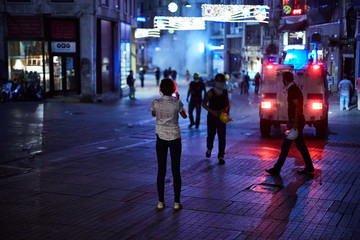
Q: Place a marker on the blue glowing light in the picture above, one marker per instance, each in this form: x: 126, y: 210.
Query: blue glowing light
x: 141, y: 19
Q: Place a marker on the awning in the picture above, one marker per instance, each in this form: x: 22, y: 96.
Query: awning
x: 294, y: 27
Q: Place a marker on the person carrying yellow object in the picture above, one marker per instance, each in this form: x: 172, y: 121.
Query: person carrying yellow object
x: 216, y: 101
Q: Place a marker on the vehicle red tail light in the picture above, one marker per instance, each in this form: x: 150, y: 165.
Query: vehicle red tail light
x: 269, y: 66
x: 266, y: 105
x: 315, y: 67
x: 317, y: 106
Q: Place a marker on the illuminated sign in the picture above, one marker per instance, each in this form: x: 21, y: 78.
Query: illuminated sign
x: 297, y: 12
x: 179, y: 23
x: 221, y: 47
x: 141, y: 19
x: 287, y: 9
x: 69, y: 47
x: 147, y: 32
x: 235, y: 13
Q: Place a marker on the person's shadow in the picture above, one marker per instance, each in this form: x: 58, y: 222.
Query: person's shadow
x: 282, y: 204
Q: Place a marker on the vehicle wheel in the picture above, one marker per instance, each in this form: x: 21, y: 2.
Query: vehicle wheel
x: 265, y: 127
x: 320, y: 128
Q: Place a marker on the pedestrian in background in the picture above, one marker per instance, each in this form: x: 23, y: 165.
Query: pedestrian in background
x: 218, y: 100
x: 142, y: 76
x: 242, y: 83
x: 196, y: 88
x: 157, y: 76
x: 168, y: 136
x: 131, y: 83
x: 187, y: 76
x: 257, y: 83
x: 345, y: 86
x: 358, y: 92
x: 229, y: 86
x: 173, y: 74
x: 296, y: 123
x: 246, y: 84
x: 167, y: 72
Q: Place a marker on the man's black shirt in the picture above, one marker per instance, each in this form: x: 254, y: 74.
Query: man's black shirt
x: 196, y: 89
x: 294, y: 92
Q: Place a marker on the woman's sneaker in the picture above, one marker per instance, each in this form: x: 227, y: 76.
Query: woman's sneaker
x: 177, y: 206
x: 161, y: 205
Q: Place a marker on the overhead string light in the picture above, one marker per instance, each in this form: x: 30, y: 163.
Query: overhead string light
x: 235, y: 13
x: 179, y: 23
x: 147, y: 32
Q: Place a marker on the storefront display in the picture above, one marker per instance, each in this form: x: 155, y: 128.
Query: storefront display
x: 125, y: 62
x: 27, y: 62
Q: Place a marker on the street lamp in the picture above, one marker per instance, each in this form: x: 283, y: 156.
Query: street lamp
x: 173, y: 6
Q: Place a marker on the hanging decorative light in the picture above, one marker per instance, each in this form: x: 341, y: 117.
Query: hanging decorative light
x: 147, y: 32
x: 179, y: 23
x: 235, y: 13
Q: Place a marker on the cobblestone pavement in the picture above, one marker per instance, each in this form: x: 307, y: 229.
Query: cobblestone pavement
x: 73, y: 170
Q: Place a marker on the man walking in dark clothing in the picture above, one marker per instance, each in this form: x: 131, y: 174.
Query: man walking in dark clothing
x: 246, y: 84
x: 196, y: 88
x: 216, y: 101
x: 142, y: 76
x: 296, y: 118
x: 257, y: 83
x: 157, y: 76
x: 131, y: 83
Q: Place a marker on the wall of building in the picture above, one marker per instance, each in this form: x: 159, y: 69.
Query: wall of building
x: 88, y: 57
x: 86, y: 13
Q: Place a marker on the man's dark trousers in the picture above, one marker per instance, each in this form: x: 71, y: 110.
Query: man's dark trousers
x: 300, y: 145
x: 197, y: 105
x: 215, y: 125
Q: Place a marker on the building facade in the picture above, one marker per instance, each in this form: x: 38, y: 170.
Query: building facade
x: 71, y: 47
x: 326, y: 27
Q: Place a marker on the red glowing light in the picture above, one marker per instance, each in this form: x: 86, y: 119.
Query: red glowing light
x: 270, y: 66
x: 317, y: 106
x: 297, y: 12
x: 266, y: 105
x: 316, y: 67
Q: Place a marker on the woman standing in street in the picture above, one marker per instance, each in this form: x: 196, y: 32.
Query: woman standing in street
x: 168, y: 136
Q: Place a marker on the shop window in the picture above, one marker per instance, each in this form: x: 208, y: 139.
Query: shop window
x: 295, y: 38
x: 125, y: 62
x: 46, y: 63
x: 26, y: 62
x: 252, y: 35
x: 125, y: 6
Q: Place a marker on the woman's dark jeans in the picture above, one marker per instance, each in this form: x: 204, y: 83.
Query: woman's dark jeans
x: 162, y: 147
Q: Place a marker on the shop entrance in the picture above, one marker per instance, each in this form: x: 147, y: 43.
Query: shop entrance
x: 64, y: 74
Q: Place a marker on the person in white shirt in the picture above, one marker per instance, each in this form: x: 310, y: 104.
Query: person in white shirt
x: 167, y: 110
x: 345, y: 87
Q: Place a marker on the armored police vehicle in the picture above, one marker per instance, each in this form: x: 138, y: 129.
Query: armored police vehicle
x: 310, y: 77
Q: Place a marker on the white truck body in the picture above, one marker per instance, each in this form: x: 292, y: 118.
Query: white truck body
x: 311, y: 79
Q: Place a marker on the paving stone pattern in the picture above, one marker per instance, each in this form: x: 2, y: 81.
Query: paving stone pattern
x: 94, y: 177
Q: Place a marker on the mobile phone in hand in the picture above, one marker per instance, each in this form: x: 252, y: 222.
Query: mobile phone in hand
x: 175, y: 95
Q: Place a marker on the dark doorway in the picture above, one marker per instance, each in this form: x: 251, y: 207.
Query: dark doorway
x: 64, y: 78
